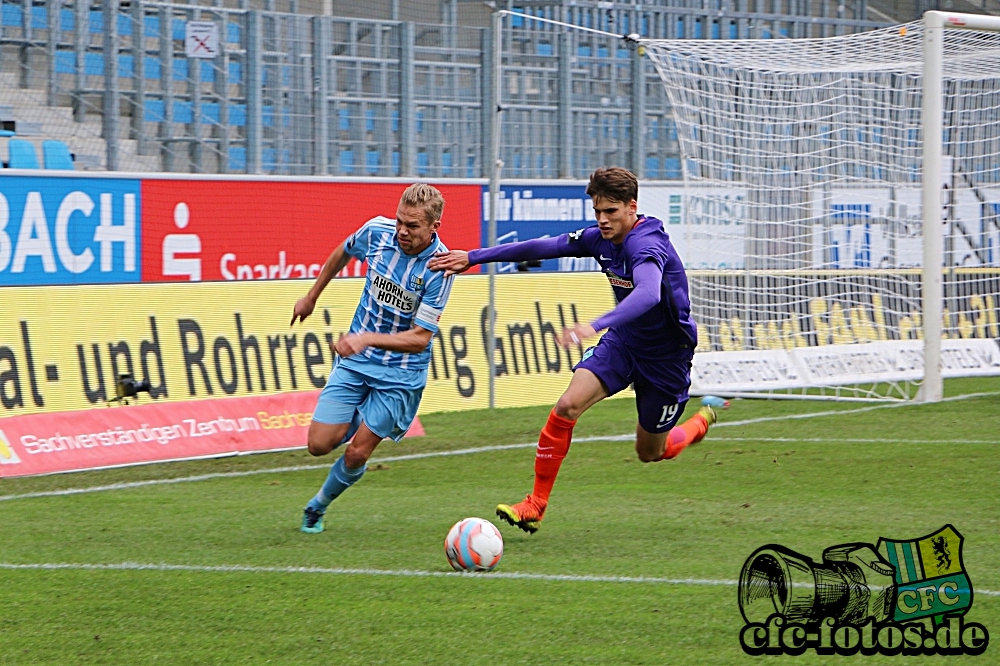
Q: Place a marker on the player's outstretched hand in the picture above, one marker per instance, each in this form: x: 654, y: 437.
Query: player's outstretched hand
x: 456, y: 261
x: 350, y: 344
x: 576, y: 335
x: 303, y: 308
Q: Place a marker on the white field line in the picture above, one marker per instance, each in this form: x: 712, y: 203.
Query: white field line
x: 135, y: 566
x: 406, y: 573
x: 857, y: 410
x: 252, y: 472
x: 502, y: 447
x: 849, y: 440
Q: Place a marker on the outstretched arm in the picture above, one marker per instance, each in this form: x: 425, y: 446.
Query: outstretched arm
x: 647, y: 278
x: 459, y: 261
x: 334, y: 264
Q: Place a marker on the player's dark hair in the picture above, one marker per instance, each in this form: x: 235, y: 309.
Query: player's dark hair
x: 614, y: 184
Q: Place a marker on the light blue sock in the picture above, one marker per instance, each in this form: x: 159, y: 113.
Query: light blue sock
x: 340, y: 478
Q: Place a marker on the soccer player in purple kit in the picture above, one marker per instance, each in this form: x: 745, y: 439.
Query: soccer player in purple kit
x: 649, y: 342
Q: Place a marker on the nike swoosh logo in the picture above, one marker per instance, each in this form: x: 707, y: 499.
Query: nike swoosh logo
x: 603, y: 258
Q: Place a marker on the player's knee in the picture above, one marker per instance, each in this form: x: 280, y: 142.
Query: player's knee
x: 648, y: 448
x: 356, y: 456
x: 647, y: 458
x: 568, y: 408
x: 318, y: 448
x: 319, y: 445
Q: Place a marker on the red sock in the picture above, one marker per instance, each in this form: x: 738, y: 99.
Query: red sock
x: 684, y: 435
x: 553, y: 444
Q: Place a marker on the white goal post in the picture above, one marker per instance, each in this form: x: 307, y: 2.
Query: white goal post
x: 840, y: 191
x: 935, y: 23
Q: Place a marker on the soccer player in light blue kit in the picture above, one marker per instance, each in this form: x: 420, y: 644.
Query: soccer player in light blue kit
x: 376, y: 383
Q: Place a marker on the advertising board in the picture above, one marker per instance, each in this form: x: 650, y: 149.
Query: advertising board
x: 69, y: 230
x: 224, y: 351
x: 231, y: 230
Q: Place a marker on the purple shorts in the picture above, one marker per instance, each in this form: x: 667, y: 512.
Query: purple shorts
x: 661, y: 385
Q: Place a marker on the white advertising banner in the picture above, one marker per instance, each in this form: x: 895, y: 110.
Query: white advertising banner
x: 837, y: 365
x: 707, y: 225
x: 744, y: 371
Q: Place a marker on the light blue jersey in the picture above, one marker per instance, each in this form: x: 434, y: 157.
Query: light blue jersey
x: 400, y: 293
x: 379, y: 388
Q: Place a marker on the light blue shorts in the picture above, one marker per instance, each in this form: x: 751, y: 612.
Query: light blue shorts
x: 386, y: 404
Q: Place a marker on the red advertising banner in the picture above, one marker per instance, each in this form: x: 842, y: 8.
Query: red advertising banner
x: 194, y: 230
x: 157, y: 432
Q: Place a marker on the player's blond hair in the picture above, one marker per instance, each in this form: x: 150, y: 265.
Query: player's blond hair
x: 428, y: 197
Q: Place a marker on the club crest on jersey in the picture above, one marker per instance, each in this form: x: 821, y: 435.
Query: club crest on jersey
x: 391, y: 295
x: 618, y: 281
x: 416, y: 282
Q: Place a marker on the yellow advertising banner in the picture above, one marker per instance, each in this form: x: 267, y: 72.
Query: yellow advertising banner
x: 62, y: 348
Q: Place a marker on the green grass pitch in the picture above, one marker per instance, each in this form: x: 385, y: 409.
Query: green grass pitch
x: 852, y: 475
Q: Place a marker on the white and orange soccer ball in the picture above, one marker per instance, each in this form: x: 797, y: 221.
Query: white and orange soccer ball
x: 473, y: 544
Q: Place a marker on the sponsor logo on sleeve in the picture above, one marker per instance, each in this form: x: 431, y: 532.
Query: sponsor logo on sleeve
x: 427, y: 313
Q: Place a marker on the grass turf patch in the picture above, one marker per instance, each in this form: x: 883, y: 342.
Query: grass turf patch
x: 699, y: 517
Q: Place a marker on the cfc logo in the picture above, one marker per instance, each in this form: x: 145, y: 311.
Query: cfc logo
x: 905, y: 597
x: 7, y: 454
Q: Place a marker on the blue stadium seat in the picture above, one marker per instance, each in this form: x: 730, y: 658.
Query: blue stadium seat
x: 237, y: 158
x: 672, y: 168
x: 347, y: 161
x: 57, y: 156
x: 183, y: 112
x: 154, y: 111
x: 652, y: 167
x: 237, y: 115
x: 22, y: 155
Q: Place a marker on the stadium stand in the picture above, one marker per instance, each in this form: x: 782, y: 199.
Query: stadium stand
x: 401, y: 95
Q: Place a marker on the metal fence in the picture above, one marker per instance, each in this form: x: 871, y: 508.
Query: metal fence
x: 294, y: 94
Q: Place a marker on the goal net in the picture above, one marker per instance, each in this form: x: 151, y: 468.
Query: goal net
x: 803, y: 226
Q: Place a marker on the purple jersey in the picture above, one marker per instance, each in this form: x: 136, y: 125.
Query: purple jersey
x: 666, y: 329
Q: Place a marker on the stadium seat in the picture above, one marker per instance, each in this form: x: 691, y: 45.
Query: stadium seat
x: 56, y: 155
x: 22, y: 155
x: 237, y: 159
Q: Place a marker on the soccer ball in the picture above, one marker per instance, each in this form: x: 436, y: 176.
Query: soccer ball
x: 473, y: 544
